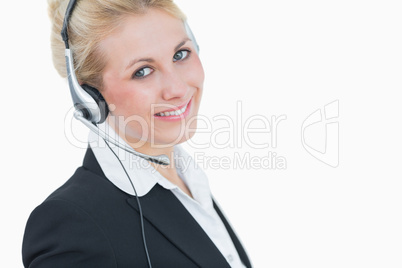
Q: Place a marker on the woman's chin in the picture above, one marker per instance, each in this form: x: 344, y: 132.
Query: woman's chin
x: 166, y: 143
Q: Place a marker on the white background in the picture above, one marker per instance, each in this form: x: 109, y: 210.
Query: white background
x: 278, y: 58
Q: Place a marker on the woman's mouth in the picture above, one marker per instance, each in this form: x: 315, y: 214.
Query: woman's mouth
x: 175, y: 114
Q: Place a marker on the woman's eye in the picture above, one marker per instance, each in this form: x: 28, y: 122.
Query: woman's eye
x: 181, y: 55
x: 141, y: 73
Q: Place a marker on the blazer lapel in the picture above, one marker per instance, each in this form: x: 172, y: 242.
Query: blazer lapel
x: 164, y: 211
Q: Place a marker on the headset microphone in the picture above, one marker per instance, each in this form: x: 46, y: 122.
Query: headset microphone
x: 158, y: 159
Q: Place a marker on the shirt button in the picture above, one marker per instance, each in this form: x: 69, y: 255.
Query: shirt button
x: 230, y: 258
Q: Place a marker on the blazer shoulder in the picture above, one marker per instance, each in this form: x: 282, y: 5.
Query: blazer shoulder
x: 52, y: 232
x: 87, y: 189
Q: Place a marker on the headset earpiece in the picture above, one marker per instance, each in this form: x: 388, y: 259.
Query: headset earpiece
x: 102, y: 104
x: 88, y: 104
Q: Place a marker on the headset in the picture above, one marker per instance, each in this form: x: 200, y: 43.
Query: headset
x: 91, y: 109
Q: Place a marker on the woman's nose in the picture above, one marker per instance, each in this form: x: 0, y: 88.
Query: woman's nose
x: 174, y: 86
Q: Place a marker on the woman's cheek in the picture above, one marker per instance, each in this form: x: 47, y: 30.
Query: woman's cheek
x: 198, y: 75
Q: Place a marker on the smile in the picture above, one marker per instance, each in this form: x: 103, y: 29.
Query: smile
x: 176, y: 114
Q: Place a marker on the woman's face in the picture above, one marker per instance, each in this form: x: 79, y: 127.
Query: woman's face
x: 152, y: 67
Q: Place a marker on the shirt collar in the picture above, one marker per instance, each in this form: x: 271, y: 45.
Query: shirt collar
x: 142, y: 174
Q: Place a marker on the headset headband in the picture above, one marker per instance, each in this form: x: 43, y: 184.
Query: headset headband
x: 69, y: 11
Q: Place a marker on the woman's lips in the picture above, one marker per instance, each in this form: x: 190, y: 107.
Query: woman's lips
x: 178, y: 113
x: 176, y: 108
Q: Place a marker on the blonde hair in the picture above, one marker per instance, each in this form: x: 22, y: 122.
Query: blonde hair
x: 91, y: 22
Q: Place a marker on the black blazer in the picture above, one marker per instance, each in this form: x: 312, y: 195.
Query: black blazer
x: 88, y: 222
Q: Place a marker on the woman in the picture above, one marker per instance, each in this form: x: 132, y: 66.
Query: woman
x: 122, y: 209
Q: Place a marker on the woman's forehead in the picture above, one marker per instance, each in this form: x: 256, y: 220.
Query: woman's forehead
x: 153, y: 35
x: 145, y: 34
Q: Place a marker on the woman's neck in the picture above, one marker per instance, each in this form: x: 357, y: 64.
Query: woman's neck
x: 167, y: 171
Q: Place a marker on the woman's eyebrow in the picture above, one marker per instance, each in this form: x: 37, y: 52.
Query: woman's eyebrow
x: 134, y: 61
x: 181, y: 44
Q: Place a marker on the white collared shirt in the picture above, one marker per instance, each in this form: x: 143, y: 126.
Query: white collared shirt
x: 144, y: 177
